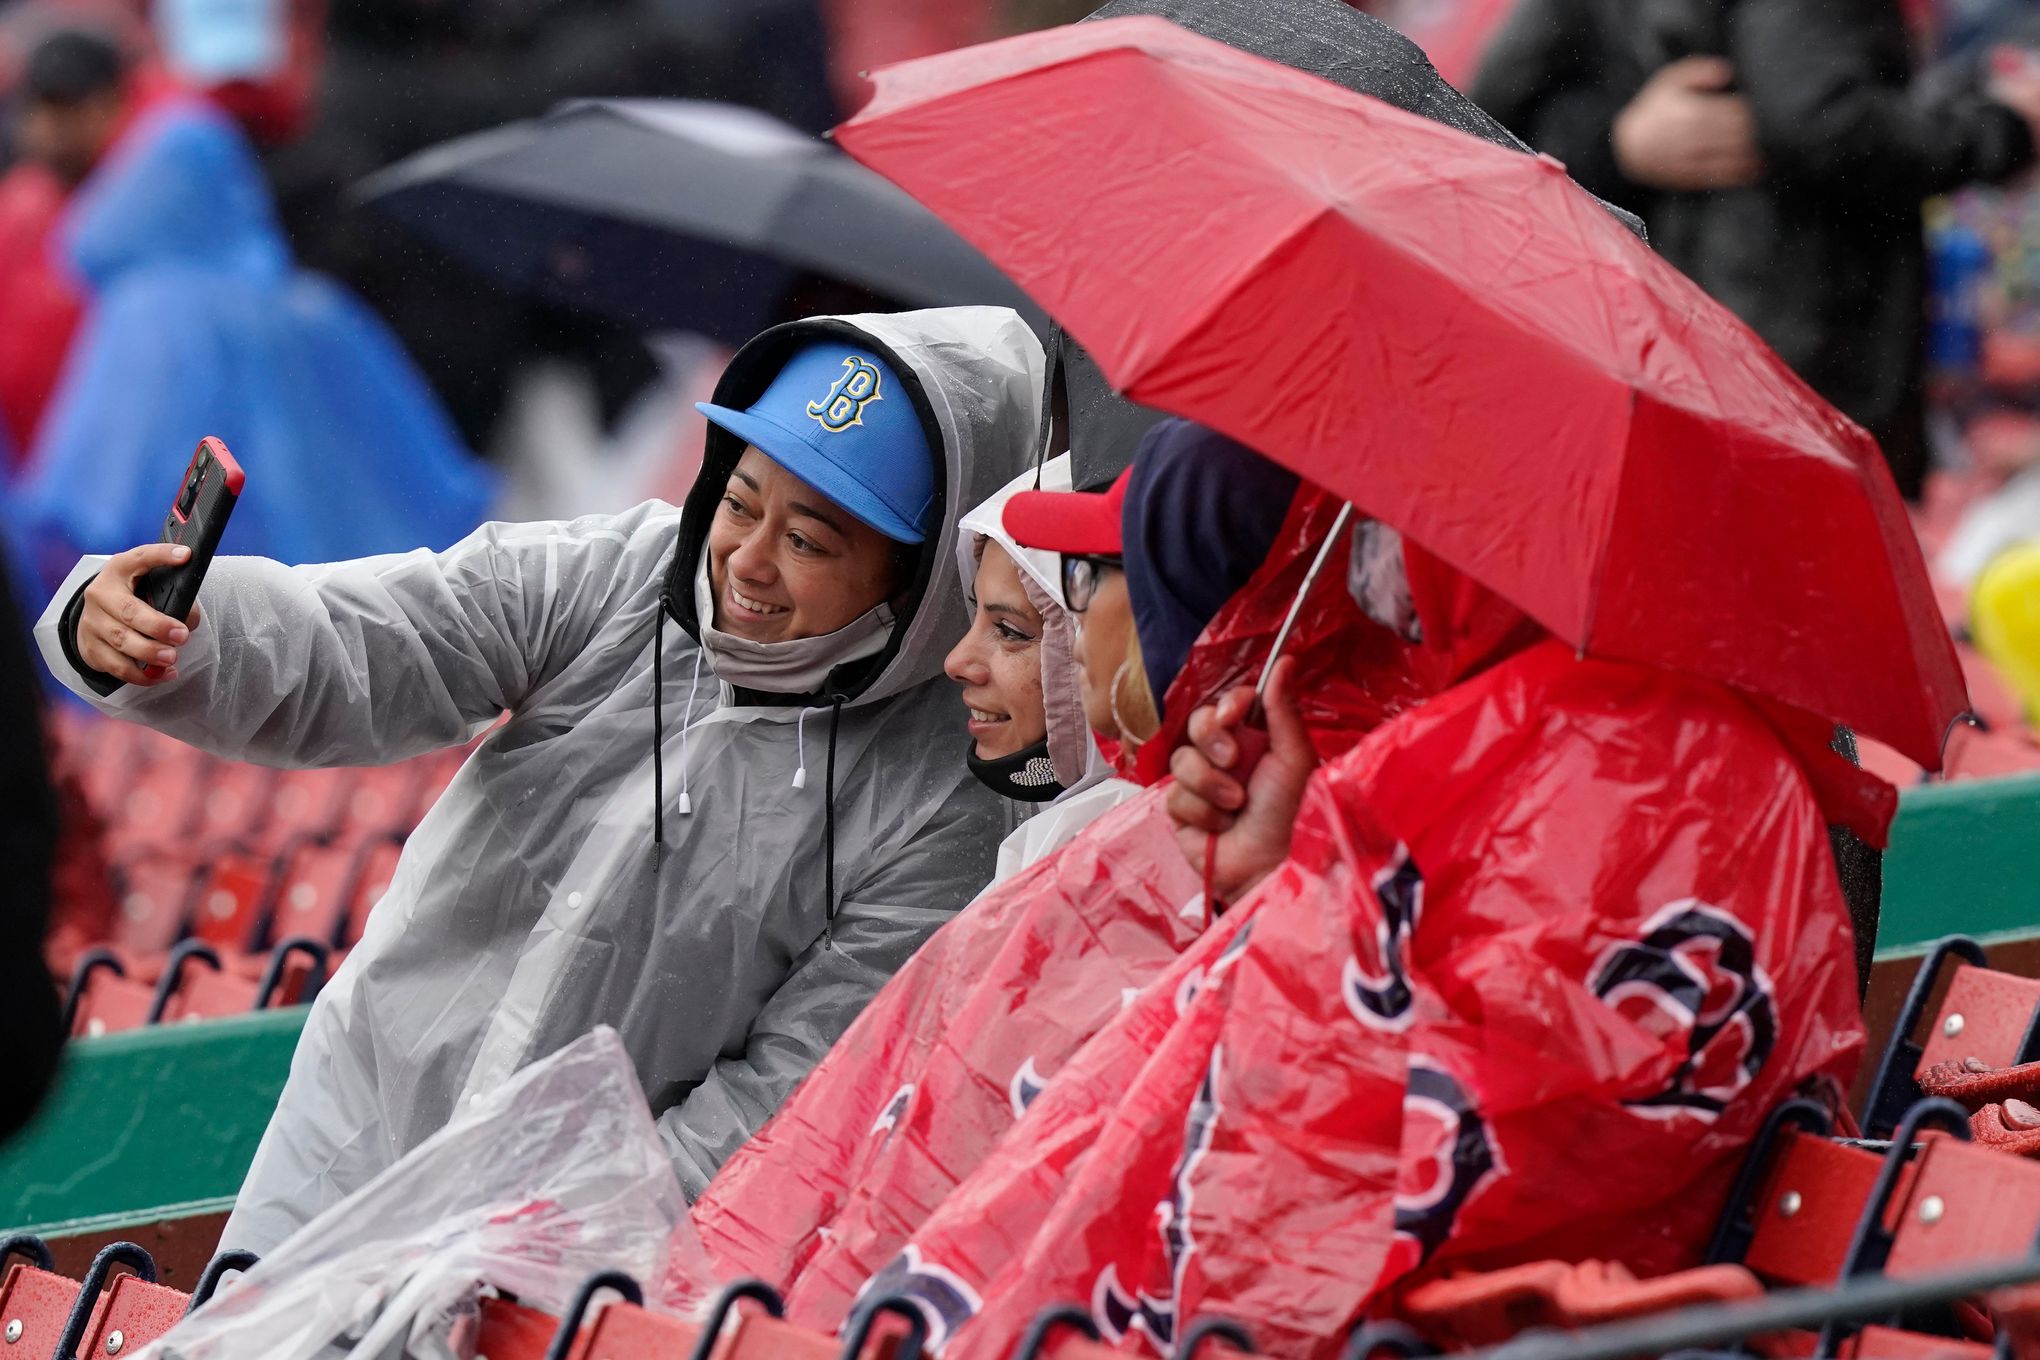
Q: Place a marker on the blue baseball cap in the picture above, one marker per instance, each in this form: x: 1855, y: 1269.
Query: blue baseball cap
x: 837, y: 418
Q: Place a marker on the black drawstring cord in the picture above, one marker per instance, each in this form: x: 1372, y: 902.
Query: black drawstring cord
x: 1052, y: 361
x: 829, y: 827
x: 659, y: 736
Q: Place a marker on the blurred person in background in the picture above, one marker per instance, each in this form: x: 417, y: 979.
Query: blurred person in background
x: 79, y: 94
x: 73, y: 101
x: 1780, y: 153
x: 198, y: 322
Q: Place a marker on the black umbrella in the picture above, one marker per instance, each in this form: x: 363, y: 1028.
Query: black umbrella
x: 678, y: 215
x: 1327, y: 38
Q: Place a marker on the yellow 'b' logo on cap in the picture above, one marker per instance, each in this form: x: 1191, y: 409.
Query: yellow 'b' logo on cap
x: 848, y: 396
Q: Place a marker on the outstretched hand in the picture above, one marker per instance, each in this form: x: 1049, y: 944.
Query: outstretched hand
x: 118, y: 633
x: 1242, y: 817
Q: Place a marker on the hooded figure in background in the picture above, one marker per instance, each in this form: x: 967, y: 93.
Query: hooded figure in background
x: 823, y: 823
x: 1063, y: 772
x: 198, y: 323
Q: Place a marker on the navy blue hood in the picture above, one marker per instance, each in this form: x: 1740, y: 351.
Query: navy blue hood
x: 1201, y: 513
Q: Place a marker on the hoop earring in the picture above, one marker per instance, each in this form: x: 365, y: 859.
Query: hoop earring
x: 1127, y: 739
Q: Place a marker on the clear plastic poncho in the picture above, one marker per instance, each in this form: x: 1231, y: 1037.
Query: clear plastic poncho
x: 528, y: 906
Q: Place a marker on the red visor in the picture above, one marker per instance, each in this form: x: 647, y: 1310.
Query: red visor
x: 1082, y: 523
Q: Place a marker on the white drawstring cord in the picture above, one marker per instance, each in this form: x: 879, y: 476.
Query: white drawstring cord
x: 686, y: 730
x: 800, y: 748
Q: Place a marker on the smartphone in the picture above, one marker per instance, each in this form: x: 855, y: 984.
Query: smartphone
x: 197, y: 518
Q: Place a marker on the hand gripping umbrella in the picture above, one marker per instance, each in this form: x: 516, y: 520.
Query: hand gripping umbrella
x: 1446, y: 332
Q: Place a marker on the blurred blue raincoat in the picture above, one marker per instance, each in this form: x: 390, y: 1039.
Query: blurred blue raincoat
x: 200, y: 323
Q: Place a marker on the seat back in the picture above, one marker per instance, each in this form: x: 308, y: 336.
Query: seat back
x: 233, y: 898
x: 1966, y: 1205
x: 1806, y: 1209
x: 761, y: 1337
x: 312, y: 898
x: 133, y: 1313
x: 153, y: 889
x: 624, y: 1331
x: 34, y: 1305
x: 511, y: 1331
x: 110, y: 1003
x: 1985, y: 1014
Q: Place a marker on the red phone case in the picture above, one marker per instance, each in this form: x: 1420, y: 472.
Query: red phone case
x: 198, y: 516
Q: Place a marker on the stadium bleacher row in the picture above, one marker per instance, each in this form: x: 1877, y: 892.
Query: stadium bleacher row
x: 211, y: 887
x: 1933, y: 1176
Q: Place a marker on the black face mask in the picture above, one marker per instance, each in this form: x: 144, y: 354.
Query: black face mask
x: 1026, y: 776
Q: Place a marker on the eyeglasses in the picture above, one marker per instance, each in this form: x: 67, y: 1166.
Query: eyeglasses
x: 1081, y: 574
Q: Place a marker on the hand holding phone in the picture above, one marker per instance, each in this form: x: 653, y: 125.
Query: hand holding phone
x: 128, y: 623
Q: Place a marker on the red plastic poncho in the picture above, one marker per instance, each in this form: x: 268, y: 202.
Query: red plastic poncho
x: 1545, y: 952
x: 999, y: 1000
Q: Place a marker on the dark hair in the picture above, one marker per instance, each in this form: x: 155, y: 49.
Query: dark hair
x: 72, y: 66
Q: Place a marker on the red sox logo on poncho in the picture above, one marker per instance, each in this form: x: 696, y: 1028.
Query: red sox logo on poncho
x: 942, y: 1298
x: 1027, y: 1083
x: 889, y: 1117
x: 1383, y: 1000
x: 1463, y: 1152
x: 946, y: 1301
x: 1118, y: 1312
x: 1695, y: 969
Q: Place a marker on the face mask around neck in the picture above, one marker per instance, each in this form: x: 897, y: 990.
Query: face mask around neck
x: 1026, y: 776
x: 798, y: 666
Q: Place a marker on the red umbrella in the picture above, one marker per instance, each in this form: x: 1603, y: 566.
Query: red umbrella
x: 1448, y: 332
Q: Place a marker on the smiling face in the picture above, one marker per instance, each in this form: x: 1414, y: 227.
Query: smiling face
x: 998, y: 662
x: 785, y: 562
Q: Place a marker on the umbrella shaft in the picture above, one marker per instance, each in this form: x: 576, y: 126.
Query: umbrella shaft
x: 1302, y: 593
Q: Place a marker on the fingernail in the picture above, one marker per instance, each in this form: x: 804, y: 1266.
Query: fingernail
x: 167, y: 657
x: 180, y: 552
x: 1223, y: 751
x: 179, y: 634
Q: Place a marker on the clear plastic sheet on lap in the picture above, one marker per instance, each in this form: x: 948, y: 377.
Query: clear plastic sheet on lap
x: 548, y: 1179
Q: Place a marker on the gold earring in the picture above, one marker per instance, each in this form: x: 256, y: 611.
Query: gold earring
x: 1127, y: 739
